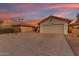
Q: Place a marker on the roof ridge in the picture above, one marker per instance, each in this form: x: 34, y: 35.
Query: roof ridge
x: 63, y: 19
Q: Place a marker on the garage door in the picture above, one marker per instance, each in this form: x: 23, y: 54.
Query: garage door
x: 57, y: 29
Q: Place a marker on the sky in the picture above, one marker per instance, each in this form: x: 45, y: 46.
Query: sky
x: 30, y: 11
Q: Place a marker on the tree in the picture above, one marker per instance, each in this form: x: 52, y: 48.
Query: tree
x: 1, y: 21
x: 20, y: 20
x: 77, y: 16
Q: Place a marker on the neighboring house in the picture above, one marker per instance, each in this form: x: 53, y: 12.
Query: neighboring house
x: 24, y: 28
x: 74, y: 26
x: 53, y: 24
x: 7, y: 23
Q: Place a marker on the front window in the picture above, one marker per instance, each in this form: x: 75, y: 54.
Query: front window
x: 50, y: 19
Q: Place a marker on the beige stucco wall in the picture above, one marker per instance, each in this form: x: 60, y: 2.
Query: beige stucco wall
x: 66, y: 28
x: 26, y: 29
x: 57, y: 22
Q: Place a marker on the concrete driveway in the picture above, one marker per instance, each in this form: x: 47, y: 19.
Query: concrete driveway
x: 34, y: 44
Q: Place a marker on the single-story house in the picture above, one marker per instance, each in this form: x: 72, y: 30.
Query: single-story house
x: 53, y: 24
x: 24, y: 28
x: 6, y: 23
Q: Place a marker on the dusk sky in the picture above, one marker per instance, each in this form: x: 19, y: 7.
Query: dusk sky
x: 38, y: 11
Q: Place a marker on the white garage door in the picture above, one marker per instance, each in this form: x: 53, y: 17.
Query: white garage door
x: 57, y: 29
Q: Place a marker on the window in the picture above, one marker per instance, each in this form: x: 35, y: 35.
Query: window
x: 50, y: 19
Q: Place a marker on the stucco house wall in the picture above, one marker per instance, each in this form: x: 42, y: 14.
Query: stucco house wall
x: 54, y: 22
x: 26, y: 29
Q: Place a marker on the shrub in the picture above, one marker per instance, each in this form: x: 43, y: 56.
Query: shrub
x: 78, y: 35
x: 9, y: 30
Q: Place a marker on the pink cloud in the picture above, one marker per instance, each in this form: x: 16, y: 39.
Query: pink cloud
x: 72, y: 5
x: 51, y: 7
x: 10, y: 14
x: 25, y: 5
x: 32, y: 12
x: 60, y: 6
x: 38, y: 9
x: 62, y: 14
x: 6, y: 14
x: 2, y: 11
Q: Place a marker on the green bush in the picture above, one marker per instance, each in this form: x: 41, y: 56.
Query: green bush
x: 9, y: 30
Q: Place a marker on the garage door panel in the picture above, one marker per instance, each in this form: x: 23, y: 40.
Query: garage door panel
x: 57, y: 29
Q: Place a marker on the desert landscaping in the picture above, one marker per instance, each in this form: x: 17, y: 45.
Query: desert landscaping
x: 73, y: 40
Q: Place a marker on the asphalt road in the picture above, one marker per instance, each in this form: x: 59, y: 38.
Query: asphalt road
x: 34, y: 44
